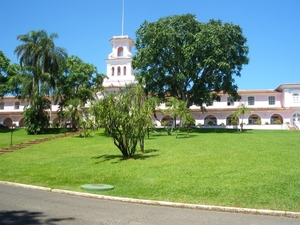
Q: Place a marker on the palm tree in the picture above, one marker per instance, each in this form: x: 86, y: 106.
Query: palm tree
x: 41, y: 60
x: 241, y: 111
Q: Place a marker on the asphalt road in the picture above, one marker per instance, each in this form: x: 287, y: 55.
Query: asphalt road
x: 24, y: 206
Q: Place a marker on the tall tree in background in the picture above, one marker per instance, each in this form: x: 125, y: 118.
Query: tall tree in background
x: 188, y: 59
x: 4, y: 63
x: 78, y: 85
x: 40, y: 60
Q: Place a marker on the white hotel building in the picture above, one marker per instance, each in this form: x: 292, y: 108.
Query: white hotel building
x: 270, y: 109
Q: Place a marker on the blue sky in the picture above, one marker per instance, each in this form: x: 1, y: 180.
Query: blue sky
x: 272, y: 28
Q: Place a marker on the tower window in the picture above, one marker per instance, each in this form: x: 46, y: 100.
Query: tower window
x: 120, y: 51
x: 296, y: 97
x: 113, y: 71
x: 119, y: 71
x: 124, y: 70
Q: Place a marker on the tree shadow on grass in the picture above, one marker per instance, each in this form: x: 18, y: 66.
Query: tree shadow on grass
x: 119, y: 158
x: 184, y: 135
x: 25, y: 217
x: 217, y: 130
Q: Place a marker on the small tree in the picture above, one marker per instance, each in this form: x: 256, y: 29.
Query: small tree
x: 241, y: 111
x: 177, y: 107
x: 126, y: 117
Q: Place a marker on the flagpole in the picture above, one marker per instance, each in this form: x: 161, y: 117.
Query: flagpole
x: 123, y: 19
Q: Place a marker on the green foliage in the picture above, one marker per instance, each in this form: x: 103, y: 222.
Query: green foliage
x: 4, y: 63
x: 77, y: 85
x: 87, y: 128
x: 210, y: 123
x: 188, y: 59
x: 258, y: 122
x: 41, y: 61
x: 174, y: 108
x: 277, y: 121
x: 126, y: 117
x: 36, y: 118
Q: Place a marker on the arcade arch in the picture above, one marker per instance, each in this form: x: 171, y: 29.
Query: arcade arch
x: 276, y: 119
x: 210, y: 120
x: 254, y: 119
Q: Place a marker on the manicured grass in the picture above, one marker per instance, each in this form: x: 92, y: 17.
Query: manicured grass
x: 254, y: 169
x: 20, y: 136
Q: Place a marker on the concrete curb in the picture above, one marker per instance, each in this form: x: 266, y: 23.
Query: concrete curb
x: 163, y: 203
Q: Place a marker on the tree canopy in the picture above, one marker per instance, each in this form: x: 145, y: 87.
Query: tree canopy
x: 77, y: 85
x: 41, y: 61
x: 4, y: 63
x: 189, y: 60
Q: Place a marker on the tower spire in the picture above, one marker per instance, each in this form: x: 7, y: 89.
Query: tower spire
x: 123, y: 19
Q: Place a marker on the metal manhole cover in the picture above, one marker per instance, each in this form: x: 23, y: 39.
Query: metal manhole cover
x: 97, y: 187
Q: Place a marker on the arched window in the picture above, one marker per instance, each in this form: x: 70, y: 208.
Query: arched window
x: 124, y: 70
x: 113, y: 71
x: 120, y: 51
x: 276, y: 119
x: 296, y: 118
x: 210, y: 120
x: 119, y: 71
x: 254, y: 119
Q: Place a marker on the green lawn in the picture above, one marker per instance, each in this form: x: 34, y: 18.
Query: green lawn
x: 254, y: 169
x: 18, y: 136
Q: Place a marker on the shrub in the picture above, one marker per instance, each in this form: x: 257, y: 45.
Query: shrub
x: 211, y: 123
x: 277, y: 122
x: 258, y: 122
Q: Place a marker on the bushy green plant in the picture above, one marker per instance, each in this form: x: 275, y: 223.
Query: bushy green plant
x: 87, y: 128
x: 35, y: 116
x: 258, y: 122
x: 211, y: 123
x: 277, y: 121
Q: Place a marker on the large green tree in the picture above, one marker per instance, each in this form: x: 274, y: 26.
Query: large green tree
x: 4, y: 63
x: 189, y: 60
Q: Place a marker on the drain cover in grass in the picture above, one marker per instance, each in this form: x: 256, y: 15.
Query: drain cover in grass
x: 97, y: 187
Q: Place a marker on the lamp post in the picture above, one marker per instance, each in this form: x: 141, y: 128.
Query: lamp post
x: 11, y: 133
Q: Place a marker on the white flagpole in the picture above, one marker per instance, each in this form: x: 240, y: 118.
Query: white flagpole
x: 123, y: 19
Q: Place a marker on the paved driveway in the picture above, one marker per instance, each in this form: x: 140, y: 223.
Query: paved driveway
x: 25, y: 206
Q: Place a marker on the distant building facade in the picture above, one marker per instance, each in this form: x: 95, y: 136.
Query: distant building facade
x: 270, y: 109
